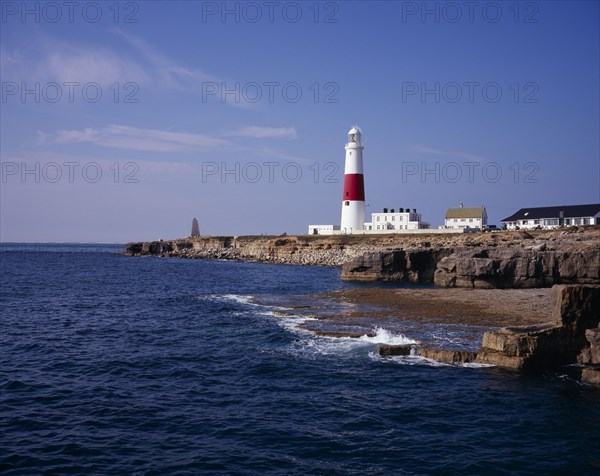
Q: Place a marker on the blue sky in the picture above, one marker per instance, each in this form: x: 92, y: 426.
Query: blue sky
x: 122, y: 122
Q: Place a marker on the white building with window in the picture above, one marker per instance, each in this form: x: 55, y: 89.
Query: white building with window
x: 553, y: 217
x: 466, y: 218
x: 323, y: 229
x: 391, y: 221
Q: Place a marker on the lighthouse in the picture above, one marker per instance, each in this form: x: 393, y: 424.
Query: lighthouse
x: 353, y: 199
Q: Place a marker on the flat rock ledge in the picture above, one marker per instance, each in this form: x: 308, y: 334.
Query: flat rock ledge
x: 573, y: 336
x: 439, y: 355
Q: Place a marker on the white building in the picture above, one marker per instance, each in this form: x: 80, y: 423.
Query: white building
x: 553, y: 217
x: 394, y: 221
x: 323, y: 229
x: 466, y: 218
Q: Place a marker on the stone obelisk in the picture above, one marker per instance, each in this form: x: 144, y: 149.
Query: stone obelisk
x: 195, y: 228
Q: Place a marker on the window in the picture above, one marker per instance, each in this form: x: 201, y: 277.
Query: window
x: 346, y: 203
x: 470, y: 220
x: 455, y: 220
x: 393, y: 218
x: 378, y: 220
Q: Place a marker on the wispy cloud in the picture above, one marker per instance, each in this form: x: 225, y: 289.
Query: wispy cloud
x: 45, y: 59
x: 173, y: 75
x: 167, y: 70
x: 54, y: 60
x: 258, y: 132
x: 133, y: 138
x: 432, y: 151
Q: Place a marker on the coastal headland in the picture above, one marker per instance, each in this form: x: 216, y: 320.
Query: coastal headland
x: 507, y: 259
x: 505, y: 278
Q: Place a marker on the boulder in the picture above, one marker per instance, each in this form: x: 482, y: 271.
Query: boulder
x: 591, y: 375
x: 447, y: 356
x: 590, y: 354
x: 388, y: 349
x: 576, y: 307
x: 527, y: 350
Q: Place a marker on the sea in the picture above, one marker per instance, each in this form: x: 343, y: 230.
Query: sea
x: 116, y: 365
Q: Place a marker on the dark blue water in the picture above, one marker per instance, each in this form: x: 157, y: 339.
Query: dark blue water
x: 119, y: 365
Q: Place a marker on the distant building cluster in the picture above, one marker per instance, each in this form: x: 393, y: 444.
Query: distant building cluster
x: 457, y: 220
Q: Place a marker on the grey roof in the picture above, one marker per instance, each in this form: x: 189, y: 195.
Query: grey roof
x: 568, y: 211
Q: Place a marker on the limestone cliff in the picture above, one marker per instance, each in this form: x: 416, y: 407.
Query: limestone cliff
x: 503, y: 260
x: 483, y: 260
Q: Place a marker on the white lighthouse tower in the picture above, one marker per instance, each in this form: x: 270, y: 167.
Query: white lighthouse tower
x: 353, y: 199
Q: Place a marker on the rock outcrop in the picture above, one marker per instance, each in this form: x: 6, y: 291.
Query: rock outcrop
x: 560, y: 342
x: 590, y: 357
x: 572, y: 335
x: 396, y: 265
x: 514, y: 260
x: 590, y: 354
x: 509, y: 267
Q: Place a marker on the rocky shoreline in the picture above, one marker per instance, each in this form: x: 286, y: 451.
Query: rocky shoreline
x: 480, y: 260
x: 539, y: 329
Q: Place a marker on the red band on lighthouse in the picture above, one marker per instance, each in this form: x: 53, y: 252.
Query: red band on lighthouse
x: 354, y: 187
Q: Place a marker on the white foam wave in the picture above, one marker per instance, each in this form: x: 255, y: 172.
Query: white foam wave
x: 407, y: 360
x: 311, y: 345
x: 383, y: 336
x: 239, y: 298
x: 317, y: 345
x: 293, y: 323
x: 475, y: 365
x: 414, y: 359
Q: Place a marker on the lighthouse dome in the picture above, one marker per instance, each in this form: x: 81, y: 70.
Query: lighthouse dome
x: 354, y: 136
